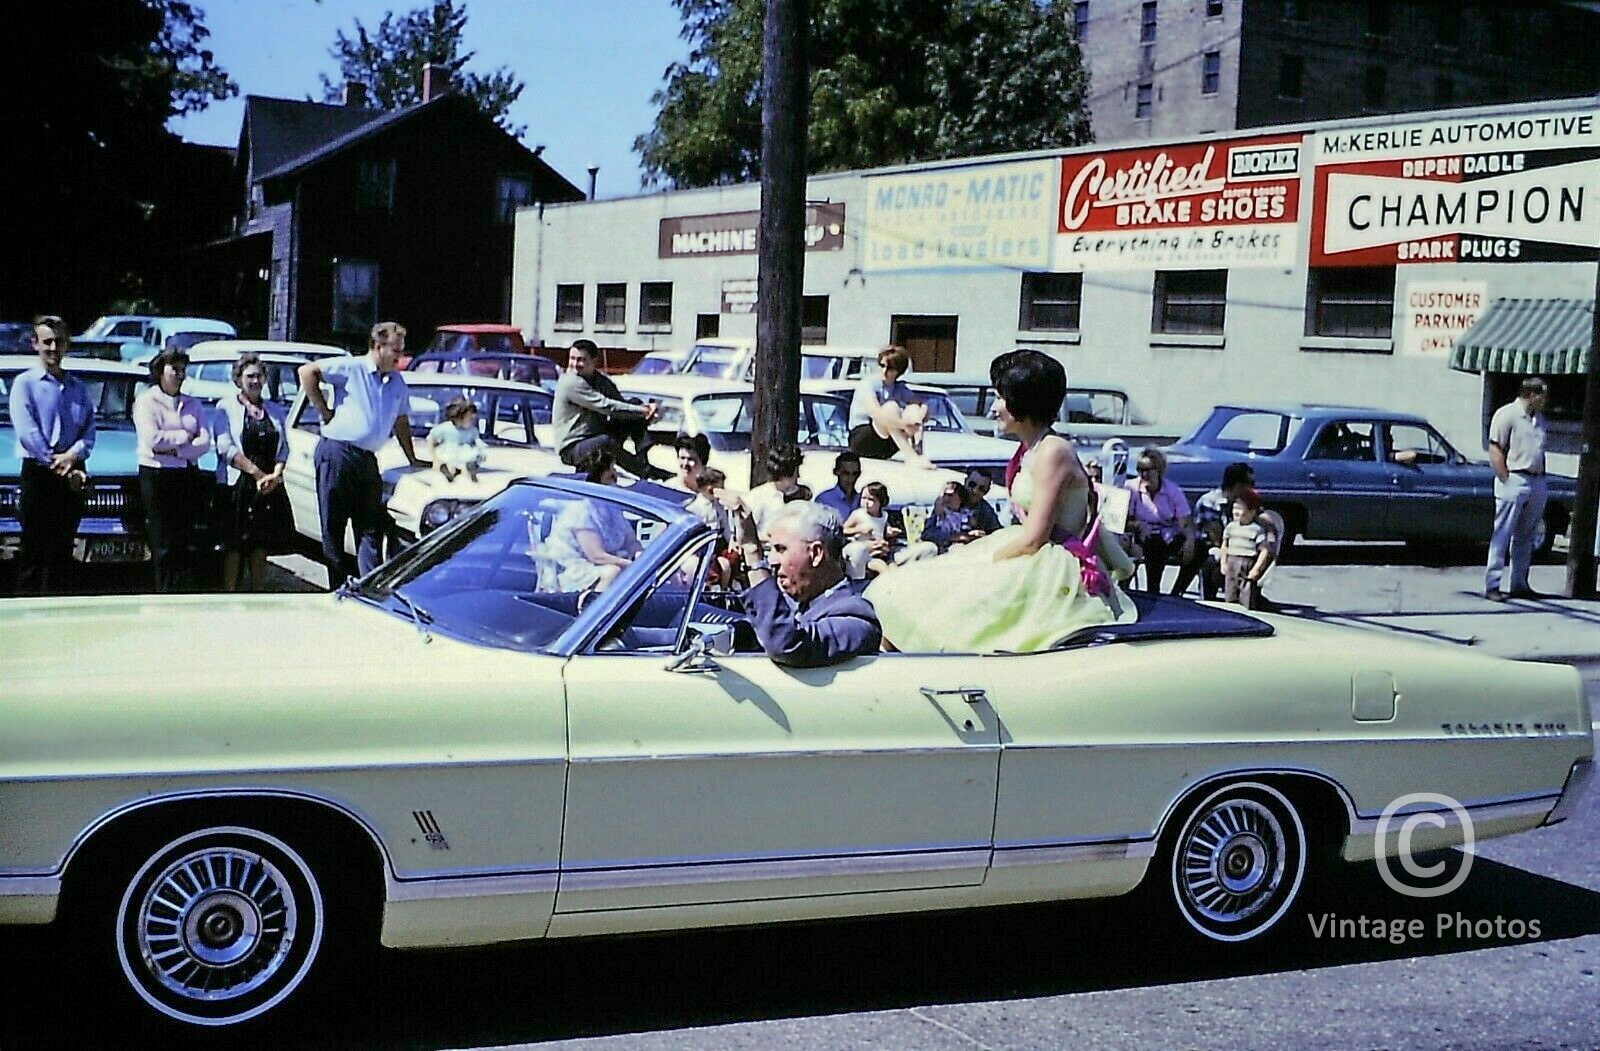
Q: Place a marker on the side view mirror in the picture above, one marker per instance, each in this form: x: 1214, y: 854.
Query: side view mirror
x: 706, y: 643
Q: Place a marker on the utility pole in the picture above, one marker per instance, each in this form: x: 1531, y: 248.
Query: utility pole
x: 1580, y: 557
x: 780, y: 267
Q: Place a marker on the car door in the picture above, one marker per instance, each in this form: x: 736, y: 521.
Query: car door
x: 300, y: 472
x: 747, y: 781
x: 1438, y: 494
x: 1347, y: 488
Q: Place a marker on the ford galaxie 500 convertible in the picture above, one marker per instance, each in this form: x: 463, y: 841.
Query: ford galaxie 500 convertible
x: 462, y: 752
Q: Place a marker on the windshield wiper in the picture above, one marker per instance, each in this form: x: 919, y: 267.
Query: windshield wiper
x: 419, y: 616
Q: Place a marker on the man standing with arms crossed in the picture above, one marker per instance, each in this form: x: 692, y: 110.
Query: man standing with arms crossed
x: 54, y: 421
x: 590, y: 415
x: 372, y: 405
x: 1516, y: 452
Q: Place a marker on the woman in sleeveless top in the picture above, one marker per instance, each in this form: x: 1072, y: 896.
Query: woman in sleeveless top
x: 252, y: 448
x: 1019, y: 589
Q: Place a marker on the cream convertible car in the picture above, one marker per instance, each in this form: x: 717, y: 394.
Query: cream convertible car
x: 460, y: 753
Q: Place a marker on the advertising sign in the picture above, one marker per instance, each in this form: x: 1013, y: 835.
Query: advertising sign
x: 1504, y: 189
x: 961, y: 218
x: 739, y: 295
x: 1436, y: 313
x: 734, y: 233
x: 1194, y: 206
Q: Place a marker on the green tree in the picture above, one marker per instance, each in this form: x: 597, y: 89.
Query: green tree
x: 389, y: 60
x: 892, y: 81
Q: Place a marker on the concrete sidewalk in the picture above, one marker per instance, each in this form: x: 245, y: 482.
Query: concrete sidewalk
x: 1444, y: 603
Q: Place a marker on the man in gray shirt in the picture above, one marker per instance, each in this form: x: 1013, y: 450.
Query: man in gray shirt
x: 1516, y: 452
x: 591, y: 415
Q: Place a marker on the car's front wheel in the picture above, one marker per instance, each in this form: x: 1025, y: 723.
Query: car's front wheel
x: 1237, y: 861
x: 218, y: 925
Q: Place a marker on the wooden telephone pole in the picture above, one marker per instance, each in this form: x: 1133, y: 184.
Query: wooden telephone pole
x: 780, y: 267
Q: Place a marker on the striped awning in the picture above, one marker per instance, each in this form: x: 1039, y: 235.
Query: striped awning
x: 1547, y: 337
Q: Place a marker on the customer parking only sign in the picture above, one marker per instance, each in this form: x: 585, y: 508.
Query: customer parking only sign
x: 1486, y: 189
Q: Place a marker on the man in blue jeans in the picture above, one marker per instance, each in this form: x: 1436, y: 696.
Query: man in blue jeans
x: 1516, y: 452
x: 372, y: 399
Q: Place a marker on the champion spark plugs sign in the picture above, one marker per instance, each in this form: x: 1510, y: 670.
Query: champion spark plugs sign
x: 1193, y: 206
x: 1506, y: 189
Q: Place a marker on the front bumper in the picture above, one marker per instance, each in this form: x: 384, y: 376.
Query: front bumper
x: 98, y: 540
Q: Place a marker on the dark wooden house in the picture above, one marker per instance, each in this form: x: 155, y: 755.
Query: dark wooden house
x: 349, y: 216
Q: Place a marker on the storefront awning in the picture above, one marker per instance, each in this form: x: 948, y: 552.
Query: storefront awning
x: 1545, y: 337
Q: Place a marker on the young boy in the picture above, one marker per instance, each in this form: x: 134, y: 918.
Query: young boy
x: 1246, y: 550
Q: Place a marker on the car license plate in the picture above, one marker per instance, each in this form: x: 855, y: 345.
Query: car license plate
x: 115, y: 549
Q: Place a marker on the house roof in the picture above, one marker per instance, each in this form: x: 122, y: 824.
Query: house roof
x: 280, y: 130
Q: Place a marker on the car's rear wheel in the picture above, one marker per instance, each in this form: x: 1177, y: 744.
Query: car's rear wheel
x: 214, y: 926
x: 1237, y: 861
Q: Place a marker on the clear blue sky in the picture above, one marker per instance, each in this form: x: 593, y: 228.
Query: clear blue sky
x: 589, y: 65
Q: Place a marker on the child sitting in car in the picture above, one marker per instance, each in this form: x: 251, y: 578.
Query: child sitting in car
x: 454, y: 440
x: 872, y: 544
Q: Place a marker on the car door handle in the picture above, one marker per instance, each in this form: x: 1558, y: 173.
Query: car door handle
x: 970, y: 694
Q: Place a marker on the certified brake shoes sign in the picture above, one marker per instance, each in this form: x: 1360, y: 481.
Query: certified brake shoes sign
x: 1509, y: 189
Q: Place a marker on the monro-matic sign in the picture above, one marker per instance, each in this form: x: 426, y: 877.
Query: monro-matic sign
x: 1190, y: 206
x: 1508, y: 189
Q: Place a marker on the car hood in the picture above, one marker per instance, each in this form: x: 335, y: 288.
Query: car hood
x: 942, y: 446
x: 116, y: 453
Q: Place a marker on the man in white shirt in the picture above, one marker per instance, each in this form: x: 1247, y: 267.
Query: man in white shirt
x: 1516, y: 452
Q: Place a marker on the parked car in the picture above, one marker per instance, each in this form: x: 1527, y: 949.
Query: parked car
x: 660, y: 363
x: 722, y: 410
x: 16, y: 337
x: 210, y: 376
x: 947, y: 438
x: 735, y: 359
x: 177, y: 332
x: 1091, y: 413
x: 1338, y: 472
x: 510, y: 416
x: 112, y: 529
x: 461, y: 753
x: 524, y: 368
x: 475, y: 338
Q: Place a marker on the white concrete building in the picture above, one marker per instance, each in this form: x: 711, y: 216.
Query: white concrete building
x: 1335, y: 262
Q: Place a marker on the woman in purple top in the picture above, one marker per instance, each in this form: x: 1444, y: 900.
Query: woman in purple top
x: 174, y: 432
x: 1158, y: 518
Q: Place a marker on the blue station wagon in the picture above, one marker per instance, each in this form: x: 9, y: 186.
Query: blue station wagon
x: 1339, y: 472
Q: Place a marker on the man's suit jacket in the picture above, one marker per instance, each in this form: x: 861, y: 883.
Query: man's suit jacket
x: 836, y: 626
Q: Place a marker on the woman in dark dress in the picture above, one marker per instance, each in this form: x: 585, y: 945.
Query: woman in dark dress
x: 252, y: 448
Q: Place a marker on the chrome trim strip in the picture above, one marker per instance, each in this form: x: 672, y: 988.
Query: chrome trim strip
x: 281, y: 770
x: 1055, y: 854
x: 474, y: 886
x: 1365, y: 742
x: 827, y: 753
x: 30, y: 886
x: 1520, y: 807
x: 588, y: 879
x: 1578, y: 779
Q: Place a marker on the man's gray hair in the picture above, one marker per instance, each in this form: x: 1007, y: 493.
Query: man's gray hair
x: 807, y: 520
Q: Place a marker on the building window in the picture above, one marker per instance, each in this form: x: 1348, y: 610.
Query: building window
x: 1374, y: 87
x: 569, y: 306
x: 1293, y: 11
x: 1051, y: 302
x: 1147, y: 23
x: 814, y: 320
x: 1213, y: 8
x: 1211, y: 73
x: 1378, y: 17
x: 355, y: 295
x: 375, y: 185
x: 1444, y: 91
x: 1144, y: 102
x: 707, y: 326
x: 611, y: 306
x: 1190, y: 302
x: 655, y: 304
x: 1356, y: 303
x: 1291, y: 76
x: 510, y: 193
x: 1080, y: 20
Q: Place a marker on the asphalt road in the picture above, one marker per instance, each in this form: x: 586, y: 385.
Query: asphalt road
x: 1102, y: 975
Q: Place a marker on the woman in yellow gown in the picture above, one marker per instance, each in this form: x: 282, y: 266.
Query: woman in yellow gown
x: 1019, y: 589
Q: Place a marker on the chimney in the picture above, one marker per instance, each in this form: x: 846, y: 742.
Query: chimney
x: 594, y: 176
x: 435, y: 81
x: 355, y: 95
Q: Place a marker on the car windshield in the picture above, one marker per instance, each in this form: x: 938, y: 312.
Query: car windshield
x: 505, y: 417
x: 715, y: 362
x: 511, y: 574
x: 185, y: 340
x: 651, y: 365
x: 943, y: 414
x: 1094, y: 406
x: 1247, y: 430
x: 726, y: 420
x: 112, y: 397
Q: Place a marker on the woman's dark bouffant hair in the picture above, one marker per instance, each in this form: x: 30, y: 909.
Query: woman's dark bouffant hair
x: 595, y: 465
x: 1033, y: 384
x: 170, y: 356
x: 784, y: 460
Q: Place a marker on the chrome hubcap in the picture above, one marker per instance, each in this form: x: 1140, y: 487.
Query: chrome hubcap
x: 1233, y: 861
x: 216, y: 924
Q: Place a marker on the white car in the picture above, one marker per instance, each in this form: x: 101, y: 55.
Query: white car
x: 511, y: 417
x: 210, y: 376
x: 947, y: 438
x: 735, y: 359
x: 722, y: 411
x: 180, y: 332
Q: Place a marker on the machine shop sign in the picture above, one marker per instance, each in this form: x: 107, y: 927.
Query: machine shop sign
x: 977, y: 217
x: 735, y: 233
x: 1189, y: 206
x: 1503, y: 189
